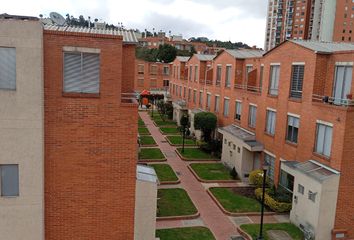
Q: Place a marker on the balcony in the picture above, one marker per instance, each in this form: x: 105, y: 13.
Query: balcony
x: 129, y: 98
x: 348, y: 102
x: 248, y: 88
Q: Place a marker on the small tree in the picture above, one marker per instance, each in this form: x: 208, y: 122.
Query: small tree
x: 169, y: 110
x: 184, y: 126
x: 206, y: 122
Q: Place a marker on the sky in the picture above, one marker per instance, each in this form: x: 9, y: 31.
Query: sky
x: 227, y: 20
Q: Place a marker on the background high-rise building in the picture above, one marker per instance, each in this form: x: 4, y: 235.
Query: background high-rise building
x: 323, y: 20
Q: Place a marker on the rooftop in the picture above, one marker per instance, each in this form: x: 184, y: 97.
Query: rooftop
x: 182, y: 58
x: 245, y: 53
x: 325, y: 47
x: 128, y: 35
x: 17, y: 17
x: 145, y: 173
x: 204, y: 57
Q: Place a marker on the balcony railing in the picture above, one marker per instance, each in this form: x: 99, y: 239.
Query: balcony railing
x: 248, y: 88
x: 333, y: 101
x: 129, y: 98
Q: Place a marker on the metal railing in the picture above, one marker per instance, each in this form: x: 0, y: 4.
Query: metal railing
x: 248, y: 88
x: 333, y: 101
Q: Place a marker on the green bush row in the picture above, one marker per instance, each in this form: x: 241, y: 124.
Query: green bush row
x: 271, y: 203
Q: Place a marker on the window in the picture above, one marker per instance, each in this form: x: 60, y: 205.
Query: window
x: 269, y: 161
x: 166, y: 83
x: 190, y: 72
x: 248, y: 70
x: 184, y: 92
x: 141, y: 82
x: 178, y: 72
x: 270, y: 125
x: 217, y: 102
x: 195, y: 73
x: 342, y: 83
x: 180, y: 91
x: 7, y: 68
x: 218, y: 75
x: 153, y: 70
x: 81, y: 72
x: 194, y: 96
x: 323, y: 139
x: 208, y: 101
x: 312, y: 196
x: 238, y: 110
x: 226, y: 107
x: 293, y: 129
x: 153, y: 82
x: 287, y: 181
x: 166, y: 70
x: 300, y: 189
x: 274, y: 80
x: 200, y: 98
x: 189, y: 94
x: 141, y: 68
x: 252, y: 116
x: 9, y: 180
x: 261, y: 77
x: 228, y: 76
x: 297, y: 78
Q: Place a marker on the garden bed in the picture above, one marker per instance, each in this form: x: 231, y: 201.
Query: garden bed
x: 195, y: 154
x: 165, y: 174
x: 237, y: 201
x: 141, y: 122
x: 151, y: 155
x: 174, y: 203
x: 211, y: 172
x: 253, y: 230
x: 143, y: 131
x: 170, y: 131
x: 147, y: 141
x: 185, y: 233
x: 177, y: 141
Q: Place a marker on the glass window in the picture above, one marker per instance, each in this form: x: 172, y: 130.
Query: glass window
x: 323, y: 139
x: 312, y: 196
x: 141, y: 68
x: 166, y: 70
x: 9, y: 180
x: 293, y: 129
x: 195, y: 73
x: 238, y: 110
x: 274, y: 80
x: 218, y: 75
x: 153, y: 70
x: 300, y: 189
x: 190, y: 72
x: 217, y: 103
x: 194, y: 96
x: 200, y: 98
x: 166, y: 83
x: 208, y: 100
x: 270, y: 162
x: 287, y: 180
x: 81, y: 72
x: 342, y: 83
x: 189, y: 94
x: 7, y: 68
x: 228, y: 76
x: 270, y: 124
x: 226, y: 107
x: 297, y: 78
x: 252, y: 116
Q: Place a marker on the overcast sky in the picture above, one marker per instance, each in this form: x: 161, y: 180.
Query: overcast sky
x: 234, y: 20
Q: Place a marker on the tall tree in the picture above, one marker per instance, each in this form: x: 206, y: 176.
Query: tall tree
x: 206, y: 122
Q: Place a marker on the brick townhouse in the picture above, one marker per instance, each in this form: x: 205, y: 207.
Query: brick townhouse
x: 151, y: 75
x: 292, y: 109
x: 68, y: 158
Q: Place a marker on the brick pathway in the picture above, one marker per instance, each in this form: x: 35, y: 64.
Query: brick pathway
x: 211, y: 216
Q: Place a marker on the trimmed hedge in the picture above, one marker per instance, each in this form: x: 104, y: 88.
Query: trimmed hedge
x: 271, y: 203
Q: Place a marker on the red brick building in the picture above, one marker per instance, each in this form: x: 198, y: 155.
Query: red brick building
x: 291, y: 109
x: 151, y: 75
x: 90, y: 169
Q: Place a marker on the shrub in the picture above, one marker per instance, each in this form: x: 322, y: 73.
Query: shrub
x: 280, y: 194
x: 206, y: 122
x: 256, y: 178
x: 271, y: 203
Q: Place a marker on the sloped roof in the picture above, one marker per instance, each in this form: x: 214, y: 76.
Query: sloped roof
x: 245, y: 53
x: 128, y: 35
x: 238, y: 132
x: 325, y: 47
x: 205, y: 57
x: 146, y: 173
x: 182, y: 58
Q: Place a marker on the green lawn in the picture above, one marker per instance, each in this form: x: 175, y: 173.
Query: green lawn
x: 147, y: 140
x: 164, y: 172
x: 151, y: 153
x: 292, y: 230
x: 174, y: 202
x: 211, y: 171
x: 169, y: 130
x: 141, y: 122
x: 186, y: 233
x: 143, y: 131
x: 195, y: 153
x: 178, y: 140
x: 165, y: 123
x: 235, y: 203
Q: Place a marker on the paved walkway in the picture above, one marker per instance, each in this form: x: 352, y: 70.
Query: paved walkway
x: 211, y: 216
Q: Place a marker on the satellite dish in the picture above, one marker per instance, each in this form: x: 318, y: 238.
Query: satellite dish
x: 57, y: 18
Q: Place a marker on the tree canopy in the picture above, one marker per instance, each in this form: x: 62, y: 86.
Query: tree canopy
x: 206, y: 122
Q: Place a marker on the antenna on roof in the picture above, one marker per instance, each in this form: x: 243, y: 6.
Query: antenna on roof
x: 57, y: 18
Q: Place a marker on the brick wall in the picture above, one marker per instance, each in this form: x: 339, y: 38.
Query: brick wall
x: 90, y: 147
x: 128, y: 68
x: 144, y: 80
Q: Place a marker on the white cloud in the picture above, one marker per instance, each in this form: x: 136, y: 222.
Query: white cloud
x: 219, y: 19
